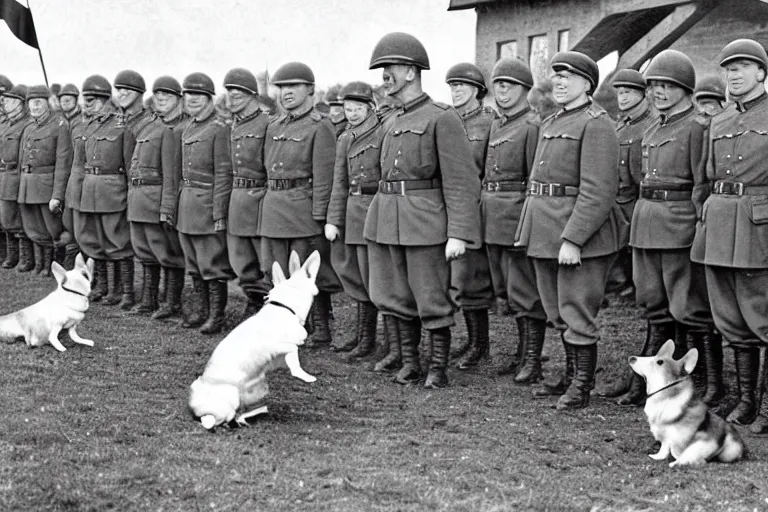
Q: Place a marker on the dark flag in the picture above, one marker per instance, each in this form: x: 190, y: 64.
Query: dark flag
x: 19, y: 20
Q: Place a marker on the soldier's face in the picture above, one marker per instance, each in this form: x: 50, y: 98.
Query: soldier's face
x: 293, y: 96
x: 462, y: 93
x: 93, y: 104
x: 743, y: 76
x: 507, y: 94
x: 11, y: 104
x: 569, y: 87
x: 125, y: 97
x: 164, y: 101
x: 195, y: 102
x: 628, y: 97
x: 709, y: 106
x: 68, y: 102
x: 396, y: 77
x: 237, y: 100
x: 38, y: 106
x: 356, y: 111
x: 336, y: 113
x: 666, y: 94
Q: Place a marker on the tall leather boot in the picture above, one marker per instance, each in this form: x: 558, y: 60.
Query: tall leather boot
x: 577, y: 394
x: 150, y: 287
x: 712, y: 375
x: 126, y: 279
x: 558, y: 387
x: 47, y: 260
x: 393, y: 359
x: 530, y: 372
x: 438, y: 364
x: 252, y: 306
x: 410, y: 335
x: 174, y: 288
x: 99, y: 283
x: 366, y: 320
x: 217, y: 293
x: 37, y: 253
x: 198, y: 308
x: 656, y: 335
x: 513, y: 366
x: 747, y: 363
x: 352, y: 342
x: 3, y: 246
x: 114, y: 284
x: 26, y: 255
x: 321, y: 317
x: 162, y: 291
x: 70, y: 254
x: 479, y: 341
x: 12, y: 251
x: 760, y: 425
x: 681, y: 340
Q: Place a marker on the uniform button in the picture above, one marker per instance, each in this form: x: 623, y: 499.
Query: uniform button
x: 622, y: 161
x: 727, y: 171
x: 239, y: 162
x: 727, y: 156
x: 741, y: 157
x: 541, y: 163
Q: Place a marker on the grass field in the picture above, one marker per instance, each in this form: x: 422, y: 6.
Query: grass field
x: 107, y: 428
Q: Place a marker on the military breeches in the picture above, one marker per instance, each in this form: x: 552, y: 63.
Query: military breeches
x: 572, y: 295
x: 103, y: 236
x: 471, y: 286
x: 157, y: 243
x: 494, y: 266
x: 351, y: 265
x: 206, y: 255
x: 10, y: 217
x: 671, y: 287
x: 739, y: 305
x: 520, y: 283
x: 40, y: 225
x: 412, y: 281
x: 279, y: 250
x: 245, y: 258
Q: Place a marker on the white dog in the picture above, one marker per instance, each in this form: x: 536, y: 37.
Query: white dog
x: 63, y: 308
x: 235, y: 378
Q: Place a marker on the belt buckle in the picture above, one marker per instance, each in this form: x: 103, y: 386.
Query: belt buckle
x: 398, y: 187
x: 738, y: 188
x: 494, y: 186
x: 355, y: 190
x: 135, y: 182
x: 185, y: 180
x: 26, y: 169
x: 535, y: 188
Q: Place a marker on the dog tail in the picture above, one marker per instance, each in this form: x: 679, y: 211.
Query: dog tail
x: 10, y: 328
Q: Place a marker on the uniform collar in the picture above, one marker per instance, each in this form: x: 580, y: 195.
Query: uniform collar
x: 298, y: 113
x: 175, y: 114
x: 205, y: 113
x: 568, y: 111
x: 43, y: 119
x: 637, y: 113
x: 665, y: 120
x: 416, y: 102
x: 474, y: 112
x: 247, y: 116
x: 743, y: 107
x: 370, y: 122
x: 22, y: 114
x: 74, y: 113
x: 515, y: 114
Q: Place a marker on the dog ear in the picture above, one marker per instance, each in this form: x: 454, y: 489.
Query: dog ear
x: 294, y: 263
x: 689, y: 360
x: 58, y: 272
x: 667, y: 349
x: 277, y: 273
x: 79, y: 261
x: 312, y: 265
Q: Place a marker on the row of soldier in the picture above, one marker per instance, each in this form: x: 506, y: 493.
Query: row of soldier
x: 420, y: 207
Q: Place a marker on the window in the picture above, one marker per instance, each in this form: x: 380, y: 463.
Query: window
x: 562, y: 40
x: 507, y: 49
x: 539, y: 56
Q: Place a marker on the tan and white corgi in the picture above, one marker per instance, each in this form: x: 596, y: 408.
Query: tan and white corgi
x: 678, y: 418
x: 234, y: 381
x: 63, y: 308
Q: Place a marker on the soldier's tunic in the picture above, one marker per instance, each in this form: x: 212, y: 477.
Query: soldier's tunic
x: 299, y: 153
x: 670, y: 287
x: 154, y: 157
x: 511, y: 153
x: 339, y: 127
x: 10, y: 216
x: 101, y: 223
x: 572, y: 196
x: 206, y: 183
x: 732, y: 238
x: 355, y: 181
x: 61, y: 187
x: 425, y: 197
x: 471, y: 286
x: 46, y: 151
x: 249, y: 186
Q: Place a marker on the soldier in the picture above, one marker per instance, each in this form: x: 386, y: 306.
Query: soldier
x: 511, y: 151
x: 20, y: 249
x: 151, y: 210
x: 670, y: 289
x: 709, y: 95
x: 425, y: 214
x: 129, y: 91
x: 355, y: 181
x: 101, y: 223
x: 249, y: 128
x: 299, y: 155
x: 732, y: 235
x: 5, y: 85
x: 205, y: 178
x: 570, y: 223
x: 46, y: 150
x: 635, y: 117
x: 336, y: 109
x: 471, y: 286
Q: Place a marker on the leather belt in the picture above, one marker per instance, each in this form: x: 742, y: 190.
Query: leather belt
x: 43, y: 169
x: 186, y: 182
x: 248, y: 183
x: 737, y: 188
x: 288, y: 183
x: 6, y: 167
x: 628, y: 193
x: 504, y: 186
x: 364, y: 189
x: 100, y: 170
x: 665, y: 194
x: 401, y: 187
x: 138, y: 182
x: 552, y: 189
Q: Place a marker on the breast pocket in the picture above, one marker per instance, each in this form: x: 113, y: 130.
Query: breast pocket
x: 667, y: 157
x: 364, y: 163
x: 562, y: 154
x: 10, y: 148
x: 42, y: 150
x: 193, y: 152
x: 412, y: 148
x: 249, y: 147
x: 147, y: 153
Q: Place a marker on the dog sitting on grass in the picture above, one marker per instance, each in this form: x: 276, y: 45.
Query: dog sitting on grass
x: 234, y: 381
x: 63, y: 308
x: 678, y: 418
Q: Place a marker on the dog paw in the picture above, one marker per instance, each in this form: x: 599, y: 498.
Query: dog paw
x: 308, y: 378
x: 658, y: 456
x: 86, y: 342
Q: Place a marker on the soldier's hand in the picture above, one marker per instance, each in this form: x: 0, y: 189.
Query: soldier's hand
x: 570, y: 254
x: 54, y: 205
x: 331, y: 232
x: 455, y: 248
x: 220, y: 225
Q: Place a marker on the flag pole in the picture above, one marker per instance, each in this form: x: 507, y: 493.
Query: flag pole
x: 39, y: 51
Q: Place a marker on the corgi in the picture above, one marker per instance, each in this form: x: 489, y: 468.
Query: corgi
x: 63, y: 308
x: 234, y: 381
x: 678, y: 418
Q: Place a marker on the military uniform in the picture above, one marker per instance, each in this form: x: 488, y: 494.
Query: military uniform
x: 61, y: 190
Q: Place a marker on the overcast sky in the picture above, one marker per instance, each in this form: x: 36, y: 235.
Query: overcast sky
x: 156, y: 37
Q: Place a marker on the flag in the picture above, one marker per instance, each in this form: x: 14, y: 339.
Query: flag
x: 19, y: 20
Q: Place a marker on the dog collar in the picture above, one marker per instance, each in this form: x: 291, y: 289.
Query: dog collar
x: 70, y: 290
x: 668, y: 386
x: 281, y: 305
